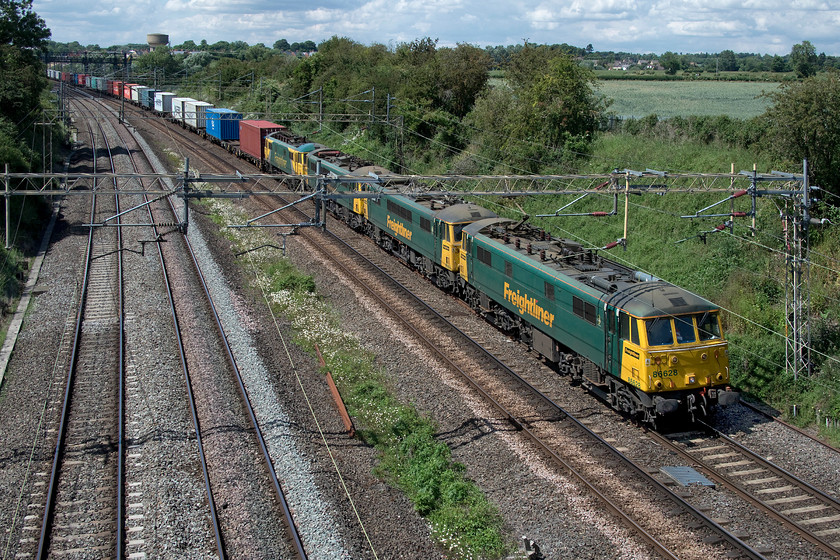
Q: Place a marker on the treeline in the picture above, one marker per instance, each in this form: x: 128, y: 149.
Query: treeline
x: 803, y: 58
x: 23, y: 36
x: 230, y: 48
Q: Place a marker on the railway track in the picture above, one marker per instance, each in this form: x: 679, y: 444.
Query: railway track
x: 80, y: 518
x: 84, y: 509
x: 222, y: 524
x: 784, y: 497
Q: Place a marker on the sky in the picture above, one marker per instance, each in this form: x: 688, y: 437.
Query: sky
x: 636, y: 26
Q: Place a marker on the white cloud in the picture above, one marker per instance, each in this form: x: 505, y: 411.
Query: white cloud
x: 771, y: 26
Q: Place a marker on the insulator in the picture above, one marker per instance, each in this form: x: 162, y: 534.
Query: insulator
x: 516, y: 243
x: 529, y: 248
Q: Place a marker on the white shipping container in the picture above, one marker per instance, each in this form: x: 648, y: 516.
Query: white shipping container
x: 178, y: 107
x: 163, y: 101
x: 194, y: 113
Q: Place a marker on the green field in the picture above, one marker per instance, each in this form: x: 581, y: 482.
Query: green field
x: 685, y: 98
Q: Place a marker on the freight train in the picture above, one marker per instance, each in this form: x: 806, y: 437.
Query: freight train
x: 650, y: 349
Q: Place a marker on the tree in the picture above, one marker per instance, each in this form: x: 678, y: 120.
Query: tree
x: 671, y: 62
x: 21, y: 27
x: 22, y: 34
x: 526, y: 65
x: 727, y: 61
x: 805, y: 124
x: 542, y: 119
x: 157, y: 61
x: 803, y: 58
x: 463, y: 75
x: 282, y: 45
x: 563, y: 101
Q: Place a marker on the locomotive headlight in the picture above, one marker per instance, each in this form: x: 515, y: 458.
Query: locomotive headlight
x: 692, y: 380
x: 719, y: 376
x: 657, y: 360
x: 703, y: 356
x: 674, y: 360
x: 658, y: 385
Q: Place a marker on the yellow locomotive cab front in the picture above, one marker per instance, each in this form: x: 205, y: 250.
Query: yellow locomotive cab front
x: 674, y: 353
x: 685, y: 352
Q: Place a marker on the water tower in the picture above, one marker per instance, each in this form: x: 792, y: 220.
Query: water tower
x: 156, y: 40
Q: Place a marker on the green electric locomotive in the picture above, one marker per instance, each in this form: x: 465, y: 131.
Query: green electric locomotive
x: 649, y: 348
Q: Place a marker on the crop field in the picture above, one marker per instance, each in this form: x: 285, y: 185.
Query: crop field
x: 739, y: 100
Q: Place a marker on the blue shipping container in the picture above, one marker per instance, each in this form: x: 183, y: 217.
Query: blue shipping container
x: 223, y: 123
x: 147, y: 98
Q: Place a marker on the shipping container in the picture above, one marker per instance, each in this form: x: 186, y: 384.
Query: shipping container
x: 88, y: 81
x: 178, y: 107
x: 163, y: 101
x: 126, y: 92
x: 147, y: 98
x: 194, y: 113
x: 117, y: 88
x: 80, y: 79
x: 252, y: 134
x: 223, y: 124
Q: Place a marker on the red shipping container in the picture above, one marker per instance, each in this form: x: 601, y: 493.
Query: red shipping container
x: 80, y: 79
x: 252, y: 133
x: 127, y: 91
x: 117, y: 87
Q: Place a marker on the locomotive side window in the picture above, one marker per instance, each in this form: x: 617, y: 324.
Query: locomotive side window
x: 425, y: 224
x: 708, y: 326
x: 628, y: 328
x: 549, y: 291
x: 508, y: 269
x: 400, y: 211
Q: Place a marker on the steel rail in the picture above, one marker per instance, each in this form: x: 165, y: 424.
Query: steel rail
x: 292, y: 528
x: 294, y: 534
x: 214, y: 518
